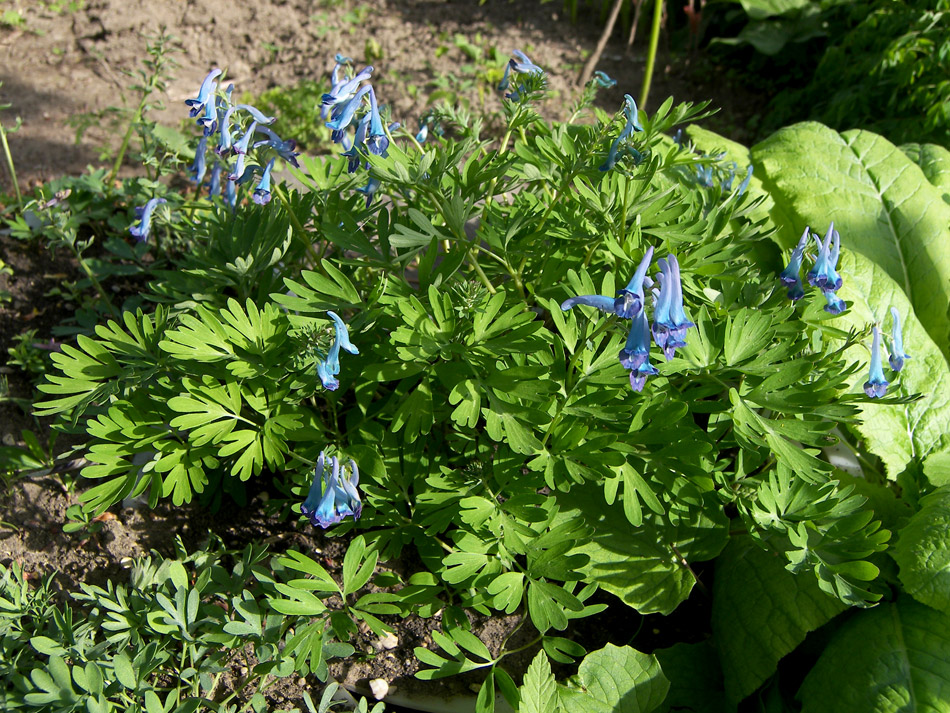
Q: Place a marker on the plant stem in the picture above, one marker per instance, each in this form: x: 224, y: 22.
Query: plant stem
x: 127, y: 139
x: 10, y: 167
x: 95, y: 281
x: 651, y: 53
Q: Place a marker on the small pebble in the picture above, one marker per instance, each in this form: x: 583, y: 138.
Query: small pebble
x: 387, y: 641
x: 301, y: 681
x: 379, y: 687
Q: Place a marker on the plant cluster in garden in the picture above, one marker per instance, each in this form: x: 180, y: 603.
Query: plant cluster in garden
x: 493, y: 429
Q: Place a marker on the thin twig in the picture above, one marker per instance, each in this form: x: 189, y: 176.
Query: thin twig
x: 601, y: 44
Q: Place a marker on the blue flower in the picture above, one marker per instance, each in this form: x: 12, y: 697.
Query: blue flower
x: 262, y: 190
x: 669, y: 318
x: 897, y: 355
x: 327, y: 369
x: 199, y: 166
x: 876, y: 385
x: 521, y: 64
x: 602, y: 80
x: 790, y: 276
x: 285, y: 149
x: 423, y: 131
x: 635, y: 355
x: 332, y: 495
x: 343, y: 90
x: 824, y: 273
x: 242, y: 144
x: 369, y: 190
x: 224, y: 133
x: 230, y: 193
x: 835, y: 305
x: 204, y: 94
x: 632, y: 124
x: 343, y: 114
x: 214, y: 187
x: 629, y: 301
x: 353, y: 151
x: 256, y: 114
x: 378, y: 142
x: 144, y: 214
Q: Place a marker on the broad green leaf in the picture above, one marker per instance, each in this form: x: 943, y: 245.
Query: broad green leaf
x: 934, y: 161
x: 538, y: 690
x: 620, y: 679
x: 761, y: 612
x: 898, y: 434
x: 760, y: 9
x: 894, y: 658
x: 695, y: 679
x: 880, y: 201
x: 640, y: 565
x: 923, y: 552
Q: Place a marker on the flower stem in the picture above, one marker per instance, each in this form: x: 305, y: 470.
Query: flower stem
x: 10, y: 167
x: 651, y: 53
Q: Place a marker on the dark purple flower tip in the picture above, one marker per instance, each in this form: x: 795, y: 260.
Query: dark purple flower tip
x: 261, y: 197
x: 633, y: 360
x: 835, y: 304
x: 796, y: 291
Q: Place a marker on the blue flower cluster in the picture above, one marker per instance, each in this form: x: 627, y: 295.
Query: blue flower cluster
x: 143, y: 214
x: 332, y: 496
x: 669, y: 318
x: 823, y: 274
x: 520, y: 64
x: 632, y: 124
x: 351, y: 101
x: 708, y: 174
x: 217, y: 115
x: 876, y: 385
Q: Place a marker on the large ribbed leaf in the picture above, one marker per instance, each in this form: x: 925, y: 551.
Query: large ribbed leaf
x: 934, y: 161
x: 923, y: 551
x: 894, y: 658
x: 761, y: 612
x: 880, y: 201
x: 898, y: 434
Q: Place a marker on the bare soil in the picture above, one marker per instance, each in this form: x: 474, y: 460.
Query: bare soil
x: 58, y: 64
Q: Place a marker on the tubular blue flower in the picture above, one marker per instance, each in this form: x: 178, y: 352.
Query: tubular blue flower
x: 214, y: 187
x: 285, y: 149
x: 262, y: 190
x: 343, y: 90
x: 198, y: 167
x: 876, y: 385
x: 377, y: 142
x: 144, y: 214
x: 332, y: 495
x: 423, y: 131
x: 521, y: 64
x: 629, y: 301
x: 835, y: 305
x: 247, y: 175
x: 369, y: 190
x: 353, y: 152
x: 327, y: 369
x: 635, y: 355
x: 240, y: 147
x: 602, y: 80
x: 632, y: 124
x: 224, y: 133
x: 230, y: 193
x: 790, y: 276
x: 896, y: 355
x: 824, y: 273
x: 346, y: 113
x: 256, y: 114
x: 669, y: 318
x: 204, y: 93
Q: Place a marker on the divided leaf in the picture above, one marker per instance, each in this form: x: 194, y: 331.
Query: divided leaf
x: 923, y: 552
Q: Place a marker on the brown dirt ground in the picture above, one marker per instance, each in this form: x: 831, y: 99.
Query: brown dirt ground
x: 57, y: 64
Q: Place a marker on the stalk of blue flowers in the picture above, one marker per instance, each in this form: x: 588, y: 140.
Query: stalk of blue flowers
x: 332, y: 496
